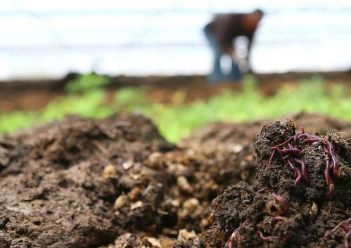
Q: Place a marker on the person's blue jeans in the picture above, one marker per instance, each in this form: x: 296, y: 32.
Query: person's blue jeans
x: 217, y: 74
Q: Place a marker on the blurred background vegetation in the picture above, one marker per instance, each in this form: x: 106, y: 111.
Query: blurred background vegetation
x: 87, y: 96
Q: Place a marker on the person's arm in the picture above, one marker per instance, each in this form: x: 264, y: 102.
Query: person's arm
x: 232, y: 53
x: 249, y: 45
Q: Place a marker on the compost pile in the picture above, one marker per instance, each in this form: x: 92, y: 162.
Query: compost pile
x: 118, y: 183
x: 301, y: 197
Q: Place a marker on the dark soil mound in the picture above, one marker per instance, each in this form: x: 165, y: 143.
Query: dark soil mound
x: 84, y: 183
x: 59, y: 182
x: 118, y: 183
x: 297, y: 198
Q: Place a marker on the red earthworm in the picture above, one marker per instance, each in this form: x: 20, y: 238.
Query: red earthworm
x: 326, y: 150
x: 235, y: 233
x: 303, y: 169
x: 331, y: 190
x: 296, y: 136
x: 330, y: 148
x: 292, y: 151
x: 347, y: 221
x: 328, y: 180
x: 327, y: 234
x: 274, y: 148
x: 326, y: 173
x: 302, y: 130
x: 345, y: 227
x: 284, y: 143
x: 292, y: 146
x: 330, y: 154
x: 268, y: 238
x: 300, y: 136
x: 347, y: 240
x: 261, y: 191
x: 298, y: 177
x: 278, y: 218
x: 335, y: 166
x: 310, y: 140
x: 282, y: 200
x: 232, y: 238
x: 297, y: 173
x: 270, y: 159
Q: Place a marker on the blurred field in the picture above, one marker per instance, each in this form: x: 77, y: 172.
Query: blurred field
x: 177, y: 109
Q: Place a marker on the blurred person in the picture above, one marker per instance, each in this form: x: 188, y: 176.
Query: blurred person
x: 221, y: 32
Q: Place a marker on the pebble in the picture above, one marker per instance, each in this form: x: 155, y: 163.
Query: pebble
x: 155, y: 156
x: 191, y: 204
x: 124, y: 241
x: 136, y: 205
x: 314, y: 210
x: 134, y: 193
x: 167, y: 242
x: 184, y: 184
x: 127, y: 165
x: 175, y: 203
x: 121, y: 201
x: 237, y: 148
x: 184, y: 235
x: 154, y: 242
x: 109, y: 172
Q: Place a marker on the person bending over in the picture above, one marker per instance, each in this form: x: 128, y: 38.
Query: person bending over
x: 221, y: 32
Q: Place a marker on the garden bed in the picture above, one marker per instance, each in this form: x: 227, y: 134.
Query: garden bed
x: 34, y: 95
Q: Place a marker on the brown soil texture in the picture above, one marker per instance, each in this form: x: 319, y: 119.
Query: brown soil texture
x: 118, y: 183
x: 274, y: 212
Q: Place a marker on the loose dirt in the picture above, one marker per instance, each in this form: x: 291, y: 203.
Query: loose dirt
x: 118, y: 183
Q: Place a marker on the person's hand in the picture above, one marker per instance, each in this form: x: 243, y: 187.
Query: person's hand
x: 235, y: 57
x: 239, y: 60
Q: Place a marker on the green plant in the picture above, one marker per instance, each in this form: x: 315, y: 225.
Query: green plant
x: 130, y: 96
x: 87, y: 82
x: 15, y: 120
x: 89, y: 104
x: 178, y: 120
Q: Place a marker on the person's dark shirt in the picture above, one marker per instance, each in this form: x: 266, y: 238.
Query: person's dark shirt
x: 227, y: 27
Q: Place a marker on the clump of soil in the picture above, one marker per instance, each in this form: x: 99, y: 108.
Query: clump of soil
x: 59, y: 182
x: 278, y: 212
